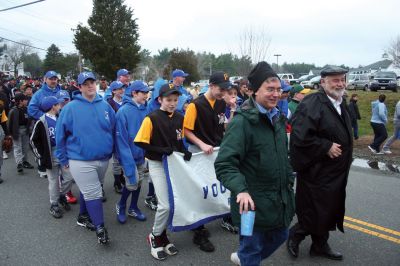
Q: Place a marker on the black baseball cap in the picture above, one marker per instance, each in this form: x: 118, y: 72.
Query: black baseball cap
x: 168, y: 89
x: 220, y: 79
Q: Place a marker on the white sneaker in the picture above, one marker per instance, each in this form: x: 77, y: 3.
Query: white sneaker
x: 42, y: 174
x: 372, y: 149
x: 5, y: 155
x: 387, y: 152
x: 235, y: 258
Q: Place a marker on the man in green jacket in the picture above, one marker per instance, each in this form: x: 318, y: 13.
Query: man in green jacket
x: 253, y: 164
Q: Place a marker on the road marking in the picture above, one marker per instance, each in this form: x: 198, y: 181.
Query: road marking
x: 377, y: 227
x: 373, y: 233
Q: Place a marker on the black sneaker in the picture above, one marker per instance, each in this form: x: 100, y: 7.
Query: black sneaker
x: 118, y: 187
x: 64, y: 203
x: 20, y: 168
x: 228, y: 225
x: 202, y: 241
x: 102, y: 235
x: 55, y: 211
x: 27, y: 165
x: 156, y: 247
x: 151, y: 202
x: 103, y: 197
x: 85, y: 221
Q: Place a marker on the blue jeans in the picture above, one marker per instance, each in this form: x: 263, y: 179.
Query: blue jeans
x: 253, y: 249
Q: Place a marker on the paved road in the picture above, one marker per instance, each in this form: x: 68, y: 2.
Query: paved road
x: 30, y: 236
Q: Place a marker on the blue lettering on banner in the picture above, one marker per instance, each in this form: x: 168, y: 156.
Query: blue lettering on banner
x: 205, y: 191
x: 214, y: 188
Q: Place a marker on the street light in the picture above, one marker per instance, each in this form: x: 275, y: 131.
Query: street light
x: 277, y: 61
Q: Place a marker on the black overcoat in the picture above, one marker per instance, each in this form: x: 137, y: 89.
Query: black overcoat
x: 321, y: 181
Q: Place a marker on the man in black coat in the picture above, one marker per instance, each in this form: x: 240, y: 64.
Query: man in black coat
x: 354, y: 114
x: 321, y: 146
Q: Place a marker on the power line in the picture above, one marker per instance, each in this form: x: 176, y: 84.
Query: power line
x: 27, y: 4
x: 24, y: 44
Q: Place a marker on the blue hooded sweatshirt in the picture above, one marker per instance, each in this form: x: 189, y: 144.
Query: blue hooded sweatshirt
x: 379, y: 112
x: 85, y: 130
x: 153, y: 102
x: 34, y: 104
x: 129, y: 118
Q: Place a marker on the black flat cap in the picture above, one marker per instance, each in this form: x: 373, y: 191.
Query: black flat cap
x: 332, y: 70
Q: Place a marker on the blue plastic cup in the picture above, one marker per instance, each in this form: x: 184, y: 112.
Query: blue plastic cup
x: 247, y: 223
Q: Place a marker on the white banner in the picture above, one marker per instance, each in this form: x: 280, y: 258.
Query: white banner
x: 196, y: 197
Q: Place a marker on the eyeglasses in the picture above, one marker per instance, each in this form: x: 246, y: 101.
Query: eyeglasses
x: 272, y: 90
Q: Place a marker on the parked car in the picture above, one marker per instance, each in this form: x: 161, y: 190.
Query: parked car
x: 358, y: 81
x: 313, y: 83
x: 201, y: 83
x: 288, y: 78
x: 305, y: 78
x: 384, y: 80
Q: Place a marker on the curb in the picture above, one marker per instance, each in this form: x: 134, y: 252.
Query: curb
x: 373, y: 164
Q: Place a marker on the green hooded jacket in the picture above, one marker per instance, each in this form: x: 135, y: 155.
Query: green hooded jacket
x: 253, y: 158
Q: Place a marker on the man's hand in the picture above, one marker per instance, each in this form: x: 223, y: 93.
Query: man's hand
x: 335, y: 151
x: 244, y: 201
x: 207, y: 149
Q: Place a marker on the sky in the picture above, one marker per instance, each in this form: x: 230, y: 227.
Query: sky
x: 350, y: 32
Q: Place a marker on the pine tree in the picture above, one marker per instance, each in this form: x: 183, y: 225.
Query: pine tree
x: 111, y: 40
x: 54, y: 59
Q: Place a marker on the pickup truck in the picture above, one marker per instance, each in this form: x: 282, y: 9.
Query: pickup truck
x: 288, y: 77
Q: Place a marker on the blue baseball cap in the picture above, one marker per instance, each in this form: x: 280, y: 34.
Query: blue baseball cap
x: 63, y: 94
x: 179, y: 73
x: 85, y: 76
x: 122, y: 72
x: 115, y: 85
x: 48, y: 102
x: 285, y: 87
x: 51, y: 74
x: 137, y: 85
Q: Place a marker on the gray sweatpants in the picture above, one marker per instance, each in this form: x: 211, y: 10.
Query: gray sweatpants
x: 89, y: 175
x: 21, y: 145
x: 142, y: 172
x: 157, y: 174
x: 55, y: 185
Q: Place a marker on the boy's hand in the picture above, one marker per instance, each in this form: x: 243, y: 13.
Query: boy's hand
x: 207, y: 149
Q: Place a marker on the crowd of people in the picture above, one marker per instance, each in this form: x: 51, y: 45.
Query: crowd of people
x: 74, y: 131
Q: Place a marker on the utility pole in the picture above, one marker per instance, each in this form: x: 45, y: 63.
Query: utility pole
x: 80, y: 63
x: 277, y: 61
x: 210, y: 68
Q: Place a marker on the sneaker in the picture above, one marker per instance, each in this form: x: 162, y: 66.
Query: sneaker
x: 387, y: 151
x: 151, y: 202
x: 55, y: 211
x: 118, y: 187
x: 102, y: 235
x: 235, y: 259
x: 137, y: 214
x: 202, y: 241
x: 169, y: 248
x: 121, y: 216
x: 380, y: 153
x: 20, y: 168
x: 70, y: 198
x: 42, y: 174
x: 227, y: 225
x: 5, y: 155
x: 27, y: 165
x: 64, y: 203
x: 372, y: 150
x: 85, y: 221
x: 103, y: 198
x: 156, y: 247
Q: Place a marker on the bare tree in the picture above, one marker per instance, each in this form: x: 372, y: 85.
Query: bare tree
x: 394, y: 51
x: 254, y: 44
x: 16, y: 52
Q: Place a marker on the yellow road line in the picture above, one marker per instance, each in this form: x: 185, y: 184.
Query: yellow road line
x: 373, y: 233
x: 377, y: 227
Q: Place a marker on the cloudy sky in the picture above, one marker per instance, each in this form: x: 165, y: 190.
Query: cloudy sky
x: 351, y: 32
